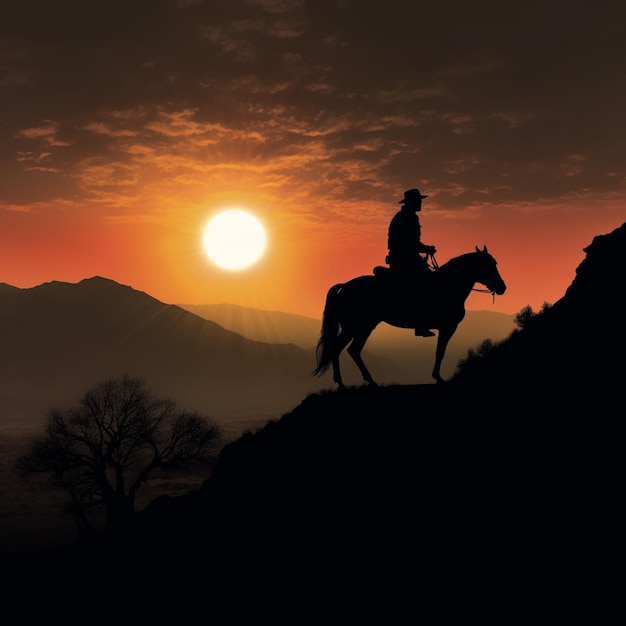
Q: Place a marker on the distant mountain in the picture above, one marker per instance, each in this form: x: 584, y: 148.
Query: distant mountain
x: 4, y: 288
x: 261, y: 325
x: 496, y: 493
x: 279, y: 327
x: 59, y: 339
x: 395, y: 345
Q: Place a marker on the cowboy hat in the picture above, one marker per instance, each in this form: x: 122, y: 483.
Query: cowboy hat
x: 412, y: 195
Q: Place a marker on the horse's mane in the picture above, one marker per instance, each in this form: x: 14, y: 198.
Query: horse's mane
x: 454, y: 261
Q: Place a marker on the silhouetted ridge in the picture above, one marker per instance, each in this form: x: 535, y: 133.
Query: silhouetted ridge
x: 571, y: 351
x: 511, y: 464
x: 501, y: 485
x: 599, y: 286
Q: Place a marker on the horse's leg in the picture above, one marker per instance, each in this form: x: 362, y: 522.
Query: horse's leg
x: 341, y: 342
x: 444, y: 336
x: 354, y: 350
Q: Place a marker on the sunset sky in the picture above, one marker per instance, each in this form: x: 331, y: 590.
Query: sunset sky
x: 126, y: 125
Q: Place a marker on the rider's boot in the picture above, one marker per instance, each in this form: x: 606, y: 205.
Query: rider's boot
x: 421, y: 330
x: 405, y: 286
x: 424, y: 332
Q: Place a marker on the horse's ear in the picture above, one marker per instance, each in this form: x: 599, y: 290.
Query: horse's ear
x: 485, y: 249
x: 477, y: 250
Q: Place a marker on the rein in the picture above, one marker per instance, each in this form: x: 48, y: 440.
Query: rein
x: 491, y: 291
x: 432, y: 262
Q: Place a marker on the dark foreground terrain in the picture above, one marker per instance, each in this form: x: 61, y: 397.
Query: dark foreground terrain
x: 493, y: 497
x: 412, y: 493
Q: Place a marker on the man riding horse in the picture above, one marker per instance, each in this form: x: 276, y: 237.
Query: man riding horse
x: 409, y: 268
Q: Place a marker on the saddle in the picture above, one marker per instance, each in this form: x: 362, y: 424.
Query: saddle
x: 382, y: 272
x: 392, y: 278
x: 405, y: 303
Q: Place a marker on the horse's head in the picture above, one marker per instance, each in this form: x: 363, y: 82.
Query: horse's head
x: 487, y: 272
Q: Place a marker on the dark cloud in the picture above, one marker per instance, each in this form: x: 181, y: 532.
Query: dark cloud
x: 487, y: 101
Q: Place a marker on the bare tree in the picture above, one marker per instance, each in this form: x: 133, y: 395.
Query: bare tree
x: 103, y: 451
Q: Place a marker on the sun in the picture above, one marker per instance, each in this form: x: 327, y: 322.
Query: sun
x: 234, y: 239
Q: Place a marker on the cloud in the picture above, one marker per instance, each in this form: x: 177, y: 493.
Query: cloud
x: 277, y: 6
x: 46, y: 133
x: 484, y: 104
x: 100, y: 128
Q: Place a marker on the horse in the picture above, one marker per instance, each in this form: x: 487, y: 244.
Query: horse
x: 353, y: 309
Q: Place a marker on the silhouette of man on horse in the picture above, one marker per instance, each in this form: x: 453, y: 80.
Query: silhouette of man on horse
x: 413, y: 292
x: 409, y: 268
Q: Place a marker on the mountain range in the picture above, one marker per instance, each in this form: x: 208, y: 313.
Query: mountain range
x: 239, y: 365
x: 60, y: 339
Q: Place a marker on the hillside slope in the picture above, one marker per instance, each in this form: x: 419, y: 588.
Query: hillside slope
x: 493, y: 496
x: 504, y: 478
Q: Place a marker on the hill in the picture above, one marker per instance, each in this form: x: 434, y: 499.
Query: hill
x: 493, y: 496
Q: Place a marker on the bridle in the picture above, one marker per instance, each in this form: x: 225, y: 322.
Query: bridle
x: 431, y: 261
x: 491, y: 291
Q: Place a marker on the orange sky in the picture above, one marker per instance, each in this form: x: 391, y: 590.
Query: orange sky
x: 122, y: 134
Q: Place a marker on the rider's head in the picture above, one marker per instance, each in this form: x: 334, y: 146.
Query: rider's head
x: 413, y: 199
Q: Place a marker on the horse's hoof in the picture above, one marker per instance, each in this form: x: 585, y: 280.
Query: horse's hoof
x: 373, y: 383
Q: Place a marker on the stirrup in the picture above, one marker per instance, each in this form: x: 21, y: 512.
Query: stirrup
x: 424, y: 332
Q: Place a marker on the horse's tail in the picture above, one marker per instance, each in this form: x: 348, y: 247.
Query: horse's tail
x: 330, y: 330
